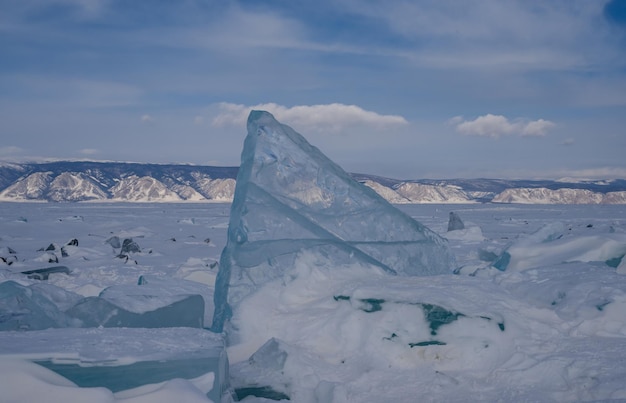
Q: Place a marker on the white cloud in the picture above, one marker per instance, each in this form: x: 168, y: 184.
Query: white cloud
x: 495, y: 126
x: 488, y: 125
x: 333, y: 117
x: 455, y: 120
x: 537, y: 127
x: 568, y: 142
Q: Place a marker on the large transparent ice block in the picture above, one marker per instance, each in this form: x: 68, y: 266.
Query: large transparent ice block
x: 291, y: 198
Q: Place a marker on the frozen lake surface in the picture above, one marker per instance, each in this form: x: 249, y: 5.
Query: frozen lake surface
x: 551, y: 327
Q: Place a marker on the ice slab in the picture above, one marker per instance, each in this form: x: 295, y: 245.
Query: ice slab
x: 178, y: 311
x: 26, y: 308
x: 152, y: 292
x: 160, y: 303
x: 291, y: 198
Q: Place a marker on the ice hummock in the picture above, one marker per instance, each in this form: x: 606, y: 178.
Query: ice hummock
x: 551, y: 244
x: 291, y: 198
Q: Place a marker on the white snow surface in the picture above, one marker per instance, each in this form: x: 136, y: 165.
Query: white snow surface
x: 552, y: 328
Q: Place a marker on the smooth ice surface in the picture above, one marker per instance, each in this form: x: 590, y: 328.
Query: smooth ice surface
x: 291, y: 198
x: 134, y: 365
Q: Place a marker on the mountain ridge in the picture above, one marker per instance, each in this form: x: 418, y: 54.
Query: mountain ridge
x: 79, y: 181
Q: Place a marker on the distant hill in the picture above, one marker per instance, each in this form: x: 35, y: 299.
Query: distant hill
x: 80, y: 181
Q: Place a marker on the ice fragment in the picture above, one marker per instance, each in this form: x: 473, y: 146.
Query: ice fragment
x: 455, y: 222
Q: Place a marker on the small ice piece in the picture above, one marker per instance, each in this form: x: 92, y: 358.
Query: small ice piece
x: 621, y: 268
x: 455, y: 222
x: 263, y: 375
x: 114, y: 241
x: 130, y: 246
x: 291, y: 198
x: 270, y: 356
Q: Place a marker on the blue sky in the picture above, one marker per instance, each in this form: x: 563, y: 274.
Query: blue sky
x: 405, y: 89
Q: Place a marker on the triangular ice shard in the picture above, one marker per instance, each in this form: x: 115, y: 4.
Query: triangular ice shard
x: 291, y: 198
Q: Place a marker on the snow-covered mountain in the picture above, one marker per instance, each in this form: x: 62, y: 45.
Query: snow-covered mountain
x: 71, y: 181
x: 423, y: 193
x: 71, y: 186
x: 548, y: 196
x: 146, y: 188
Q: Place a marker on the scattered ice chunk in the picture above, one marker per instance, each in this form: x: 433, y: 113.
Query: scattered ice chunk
x: 200, y: 271
x: 271, y: 356
x: 266, y: 368
x: 621, y: 269
x: 130, y: 246
x: 191, y: 221
x: 5, y: 250
x: 455, y: 222
x: 114, y: 241
x: 8, y: 255
x: 290, y: 198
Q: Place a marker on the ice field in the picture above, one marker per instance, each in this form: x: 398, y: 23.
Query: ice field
x: 551, y: 327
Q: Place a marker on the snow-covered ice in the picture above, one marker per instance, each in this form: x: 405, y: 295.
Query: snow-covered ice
x: 564, y: 336
x: 337, y: 296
